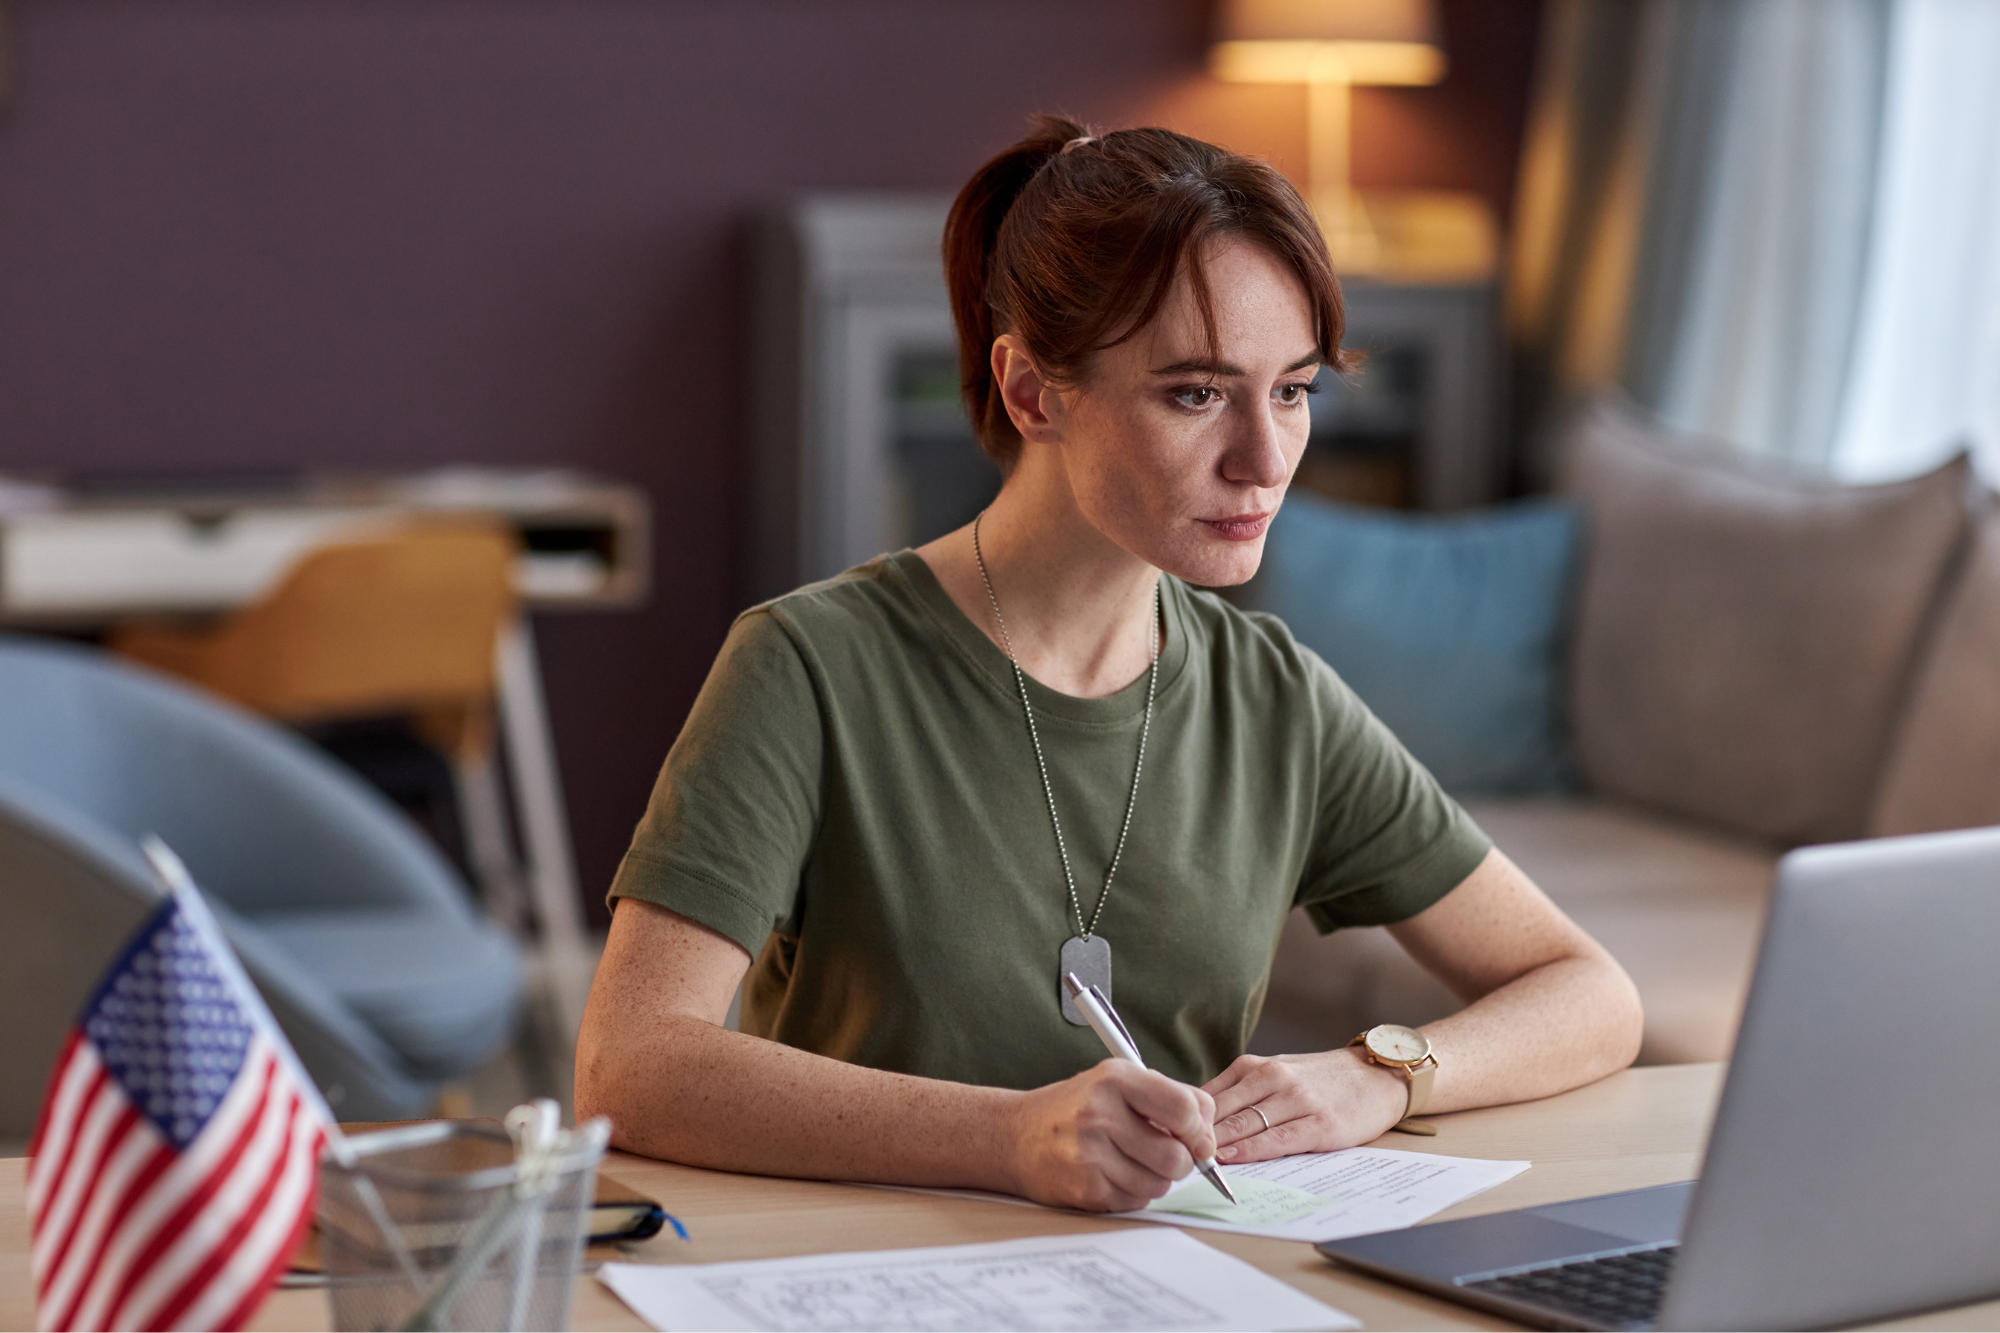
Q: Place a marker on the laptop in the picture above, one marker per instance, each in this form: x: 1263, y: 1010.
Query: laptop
x: 1852, y: 1172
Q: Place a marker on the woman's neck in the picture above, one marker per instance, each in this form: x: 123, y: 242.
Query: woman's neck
x: 1078, y: 607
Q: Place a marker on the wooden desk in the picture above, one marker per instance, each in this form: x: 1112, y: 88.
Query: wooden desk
x: 1642, y: 1127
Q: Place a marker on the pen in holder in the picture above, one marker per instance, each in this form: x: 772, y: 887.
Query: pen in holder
x: 490, y: 1228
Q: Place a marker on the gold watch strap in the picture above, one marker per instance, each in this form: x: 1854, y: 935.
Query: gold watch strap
x: 1420, y: 1077
x: 1420, y: 1093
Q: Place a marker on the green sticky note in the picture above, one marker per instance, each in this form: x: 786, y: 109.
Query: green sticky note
x: 1259, y: 1203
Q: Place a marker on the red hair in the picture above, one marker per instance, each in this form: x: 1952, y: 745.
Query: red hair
x: 1073, y: 242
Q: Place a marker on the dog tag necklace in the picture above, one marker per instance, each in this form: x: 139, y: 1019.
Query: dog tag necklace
x: 1086, y: 953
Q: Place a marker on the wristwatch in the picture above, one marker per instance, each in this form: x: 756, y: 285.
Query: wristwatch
x: 1408, y: 1052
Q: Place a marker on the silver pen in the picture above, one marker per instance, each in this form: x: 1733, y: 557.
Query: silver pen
x: 1095, y: 1005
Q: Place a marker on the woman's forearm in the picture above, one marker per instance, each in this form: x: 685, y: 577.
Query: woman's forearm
x: 1564, y: 1024
x: 690, y: 1091
x: 1548, y: 1008
x: 654, y: 1057
x: 1571, y: 1020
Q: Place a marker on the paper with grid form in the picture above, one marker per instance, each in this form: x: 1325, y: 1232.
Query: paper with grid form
x: 1137, y: 1279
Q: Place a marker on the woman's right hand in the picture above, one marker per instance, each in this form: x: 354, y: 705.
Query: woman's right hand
x: 1111, y: 1139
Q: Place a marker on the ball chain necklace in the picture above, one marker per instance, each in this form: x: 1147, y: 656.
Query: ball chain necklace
x: 1086, y: 953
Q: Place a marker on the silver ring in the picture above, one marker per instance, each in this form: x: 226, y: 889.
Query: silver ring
x: 1260, y: 1116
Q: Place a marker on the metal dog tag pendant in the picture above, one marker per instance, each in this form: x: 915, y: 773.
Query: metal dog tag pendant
x: 1090, y: 959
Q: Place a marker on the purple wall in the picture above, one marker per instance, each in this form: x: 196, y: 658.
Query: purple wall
x: 396, y: 233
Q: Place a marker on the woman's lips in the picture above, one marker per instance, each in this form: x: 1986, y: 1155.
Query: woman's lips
x: 1238, y: 527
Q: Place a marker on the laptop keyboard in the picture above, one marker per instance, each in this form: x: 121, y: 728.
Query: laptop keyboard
x: 1619, y: 1290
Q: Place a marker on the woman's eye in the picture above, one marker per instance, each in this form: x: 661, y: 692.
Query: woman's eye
x: 1291, y: 395
x: 1196, y: 395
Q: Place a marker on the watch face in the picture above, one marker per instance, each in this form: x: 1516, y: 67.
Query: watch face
x: 1401, y: 1044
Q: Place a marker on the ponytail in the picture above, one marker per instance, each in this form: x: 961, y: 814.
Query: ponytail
x: 971, y: 235
x: 1074, y: 241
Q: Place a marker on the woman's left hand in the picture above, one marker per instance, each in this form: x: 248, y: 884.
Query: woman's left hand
x: 1312, y: 1103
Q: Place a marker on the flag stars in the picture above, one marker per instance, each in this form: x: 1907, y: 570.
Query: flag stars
x: 170, y: 1032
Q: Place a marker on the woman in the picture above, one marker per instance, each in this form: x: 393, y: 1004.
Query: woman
x: 914, y: 793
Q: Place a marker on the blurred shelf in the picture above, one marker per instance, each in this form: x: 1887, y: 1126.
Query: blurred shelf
x: 90, y: 550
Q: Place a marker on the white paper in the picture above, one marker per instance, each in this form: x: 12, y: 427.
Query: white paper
x: 1359, y: 1190
x: 1137, y: 1279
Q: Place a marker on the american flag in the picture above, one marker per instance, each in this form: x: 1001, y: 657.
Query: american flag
x: 175, y: 1161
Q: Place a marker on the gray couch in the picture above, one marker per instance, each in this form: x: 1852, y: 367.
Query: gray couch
x: 1757, y: 661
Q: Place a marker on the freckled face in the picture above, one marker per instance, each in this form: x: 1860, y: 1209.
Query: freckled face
x: 1180, y: 456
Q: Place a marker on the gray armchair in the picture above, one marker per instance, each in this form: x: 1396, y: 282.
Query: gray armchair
x: 362, y: 939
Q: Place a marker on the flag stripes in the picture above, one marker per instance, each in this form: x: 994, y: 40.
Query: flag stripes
x: 147, y: 1225
x: 130, y: 1233
x: 58, y: 1120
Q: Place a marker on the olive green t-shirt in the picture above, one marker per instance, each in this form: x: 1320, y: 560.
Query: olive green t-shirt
x: 854, y: 800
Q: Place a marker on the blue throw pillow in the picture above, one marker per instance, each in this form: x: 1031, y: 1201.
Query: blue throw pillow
x: 1449, y: 627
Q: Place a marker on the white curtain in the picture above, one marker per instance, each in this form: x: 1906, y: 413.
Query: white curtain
x: 1775, y: 220
x: 1772, y: 222
x: 1697, y: 194
x: 1925, y: 378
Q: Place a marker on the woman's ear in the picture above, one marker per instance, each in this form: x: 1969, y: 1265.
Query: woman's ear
x: 1032, y: 405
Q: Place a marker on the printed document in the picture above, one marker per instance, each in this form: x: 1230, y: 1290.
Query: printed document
x: 1137, y: 1279
x: 1313, y: 1196
x: 1325, y: 1195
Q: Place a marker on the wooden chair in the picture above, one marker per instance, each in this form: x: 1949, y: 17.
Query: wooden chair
x: 402, y: 621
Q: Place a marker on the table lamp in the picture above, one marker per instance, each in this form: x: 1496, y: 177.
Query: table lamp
x: 1331, y: 45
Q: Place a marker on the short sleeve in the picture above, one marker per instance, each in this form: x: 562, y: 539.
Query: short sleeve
x: 731, y: 823
x: 1389, y: 841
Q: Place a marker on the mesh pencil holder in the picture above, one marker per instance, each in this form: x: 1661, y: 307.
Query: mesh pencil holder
x: 435, y: 1226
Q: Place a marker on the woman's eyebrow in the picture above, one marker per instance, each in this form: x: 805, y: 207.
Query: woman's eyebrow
x: 1207, y: 365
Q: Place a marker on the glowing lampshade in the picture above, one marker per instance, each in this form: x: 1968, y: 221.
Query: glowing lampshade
x: 1315, y: 41
x: 1329, y: 46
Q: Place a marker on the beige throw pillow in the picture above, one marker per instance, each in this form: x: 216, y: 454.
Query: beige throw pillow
x: 1743, y: 637
x: 1944, y: 765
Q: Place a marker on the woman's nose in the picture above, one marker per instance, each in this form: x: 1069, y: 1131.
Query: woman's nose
x: 1256, y: 455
